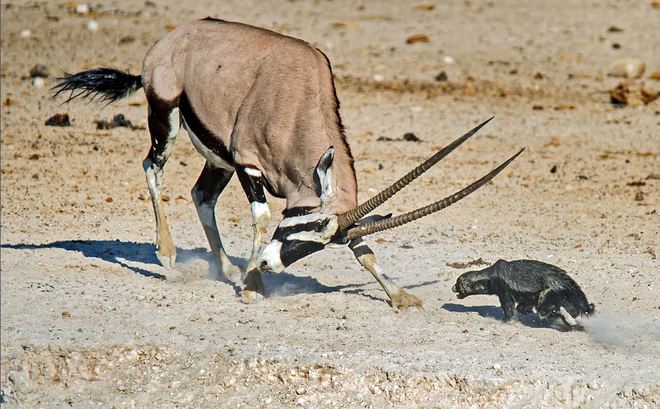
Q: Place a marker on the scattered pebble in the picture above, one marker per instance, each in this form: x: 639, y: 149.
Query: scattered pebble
x: 417, y: 38
x: 117, y: 121
x: 58, y: 120
x: 411, y: 137
x: 39, y: 82
x: 66, y: 314
x: 442, y: 77
x: 379, y: 77
x: 631, y: 93
x: 616, y: 46
x: 615, y: 29
x: 82, y: 9
x: 448, y: 59
x: 26, y: 33
x: 655, y: 75
x: 478, y: 262
x: 553, y: 169
x: 92, y: 25
x: 628, y: 67
x: 537, y: 107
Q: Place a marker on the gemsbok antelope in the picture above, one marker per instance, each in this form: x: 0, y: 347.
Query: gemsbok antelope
x: 262, y: 105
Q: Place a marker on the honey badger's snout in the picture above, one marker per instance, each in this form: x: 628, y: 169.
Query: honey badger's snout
x: 459, y: 292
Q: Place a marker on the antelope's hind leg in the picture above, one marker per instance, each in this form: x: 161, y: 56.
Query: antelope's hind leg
x: 399, y: 298
x: 205, y: 193
x: 251, y: 180
x: 164, y: 124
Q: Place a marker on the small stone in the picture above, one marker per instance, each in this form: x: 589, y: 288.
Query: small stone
x: 58, y: 120
x: 82, y: 9
x: 417, y: 38
x: 26, y: 33
x: 92, y: 25
x: 448, y: 59
x: 628, y: 67
x: 442, y: 77
x: 39, y: 82
x: 410, y: 137
x: 379, y: 77
x: 655, y: 75
x: 66, y: 314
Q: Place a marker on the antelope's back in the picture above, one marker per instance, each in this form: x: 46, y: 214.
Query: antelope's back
x: 266, y: 97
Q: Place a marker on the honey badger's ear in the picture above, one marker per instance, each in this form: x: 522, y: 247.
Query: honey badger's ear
x: 326, y: 182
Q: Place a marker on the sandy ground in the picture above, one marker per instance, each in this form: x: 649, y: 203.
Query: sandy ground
x: 89, y: 317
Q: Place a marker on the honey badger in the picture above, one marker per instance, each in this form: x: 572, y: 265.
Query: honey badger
x: 528, y: 285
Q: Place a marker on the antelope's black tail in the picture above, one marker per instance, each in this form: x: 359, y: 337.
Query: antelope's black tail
x: 108, y: 84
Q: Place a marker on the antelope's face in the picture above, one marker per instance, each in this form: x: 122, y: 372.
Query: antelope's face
x: 297, y: 237
x: 305, y: 230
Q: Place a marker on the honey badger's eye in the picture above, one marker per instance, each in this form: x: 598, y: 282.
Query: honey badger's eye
x: 318, y: 226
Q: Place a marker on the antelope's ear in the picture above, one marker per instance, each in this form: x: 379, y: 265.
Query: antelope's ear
x: 327, y: 182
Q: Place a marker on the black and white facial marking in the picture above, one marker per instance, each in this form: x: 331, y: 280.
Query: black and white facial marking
x: 297, y: 237
x: 304, y: 230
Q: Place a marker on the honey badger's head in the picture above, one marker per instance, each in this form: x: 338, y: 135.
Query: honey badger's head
x: 471, y: 283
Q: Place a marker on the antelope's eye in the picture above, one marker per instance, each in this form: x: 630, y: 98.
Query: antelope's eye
x: 318, y: 226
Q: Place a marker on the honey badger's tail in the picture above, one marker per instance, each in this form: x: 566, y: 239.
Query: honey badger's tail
x: 108, y: 84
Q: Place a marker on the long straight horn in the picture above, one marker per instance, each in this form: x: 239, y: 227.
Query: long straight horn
x: 386, y: 224
x: 347, y: 219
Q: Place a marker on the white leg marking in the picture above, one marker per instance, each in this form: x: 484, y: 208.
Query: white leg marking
x: 260, y: 214
x: 252, y: 172
x: 175, y: 125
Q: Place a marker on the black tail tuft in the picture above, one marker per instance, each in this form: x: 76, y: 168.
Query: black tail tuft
x: 108, y: 84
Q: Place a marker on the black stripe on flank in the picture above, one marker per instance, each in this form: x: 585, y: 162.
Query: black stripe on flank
x: 205, y: 136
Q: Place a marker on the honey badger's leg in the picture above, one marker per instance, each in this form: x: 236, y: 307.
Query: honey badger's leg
x: 508, y: 304
x: 399, y: 298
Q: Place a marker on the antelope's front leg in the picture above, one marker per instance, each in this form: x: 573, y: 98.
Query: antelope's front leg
x: 253, y: 186
x: 399, y: 298
x: 205, y: 193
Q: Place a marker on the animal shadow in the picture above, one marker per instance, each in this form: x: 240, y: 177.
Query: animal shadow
x: 126, y: 254
x: 491, y: 311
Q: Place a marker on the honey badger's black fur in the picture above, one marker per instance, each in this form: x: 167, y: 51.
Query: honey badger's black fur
x: 527, y: 285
